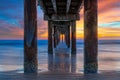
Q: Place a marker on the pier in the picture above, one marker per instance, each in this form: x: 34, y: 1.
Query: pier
x: 61, y: 16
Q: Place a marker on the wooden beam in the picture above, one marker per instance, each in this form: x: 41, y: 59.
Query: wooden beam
x: 50, y: 40
x: 68, y: 5
x: 73, y: 30
x: 62, y: 17
x: 61, y: 23
x: 54, y: 5
x: 69, y: 36
x: 73, y: 63
x: 50, y: 62
x: 30, y: 37
x: 90, y: 36
x: 55, y: 30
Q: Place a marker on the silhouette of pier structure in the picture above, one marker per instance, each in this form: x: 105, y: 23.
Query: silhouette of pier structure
x: 61, y: 16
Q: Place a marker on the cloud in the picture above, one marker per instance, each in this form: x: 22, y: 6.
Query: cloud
x: 12, y: 20
x: 10, y: 31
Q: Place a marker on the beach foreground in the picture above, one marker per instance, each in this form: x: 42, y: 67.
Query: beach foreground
x: 66, y: 66
x: 104, y: 75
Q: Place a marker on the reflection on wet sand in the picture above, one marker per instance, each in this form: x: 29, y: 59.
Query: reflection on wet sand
x: 62, y: 62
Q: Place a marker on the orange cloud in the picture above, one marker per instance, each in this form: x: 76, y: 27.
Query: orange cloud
x: 108, y: 11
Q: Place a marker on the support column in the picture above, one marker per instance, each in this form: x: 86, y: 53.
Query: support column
x: 54, y: 36
x: 50, y: 46
x: 90, y: 36
x: 68, y: 36
x: 73, y: 63
x: 50, y: 62
x: 30, y: 37
x: 57, y: 40
x: 73, y: 29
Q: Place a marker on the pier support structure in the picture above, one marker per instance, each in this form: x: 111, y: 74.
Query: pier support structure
x: 90, y: 36
x: 55, y: 36
x: 30, y: 36
x: 56, y: 12
x: 68, y: 36
x: 50, y: 38
x: 73, y: 39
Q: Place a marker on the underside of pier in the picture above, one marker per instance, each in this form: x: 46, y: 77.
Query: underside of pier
x: 61, y: 16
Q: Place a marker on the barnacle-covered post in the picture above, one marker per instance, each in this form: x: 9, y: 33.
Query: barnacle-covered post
x: 90, y: 36
x: 30, y: 37
x: 68, y: 36
x: 73, y: 38
x: 50, y: 39
x: 55, y: 31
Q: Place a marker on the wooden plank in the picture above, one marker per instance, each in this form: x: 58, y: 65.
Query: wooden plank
x: 30, y: 36
x: 62, y: 17
x: 90, y: 36
x: 69, y: 36
x: 73, y: 30
x: 68, y: 5
x: 50, y: 40
x: 55, y: 36
x: 54, y: 5
x: 73, y: 63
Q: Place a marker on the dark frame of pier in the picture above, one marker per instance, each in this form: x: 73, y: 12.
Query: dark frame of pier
x: 61, y: 16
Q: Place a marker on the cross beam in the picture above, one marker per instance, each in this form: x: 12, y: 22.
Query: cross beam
x: 54, y: 5
x: 68, y: 5
x: 62, y: 17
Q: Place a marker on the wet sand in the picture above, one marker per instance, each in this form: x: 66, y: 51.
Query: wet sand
x: 64, y: 67
x: 104, y: 75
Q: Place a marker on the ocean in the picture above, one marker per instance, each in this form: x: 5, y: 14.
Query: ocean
x: 11, y: 55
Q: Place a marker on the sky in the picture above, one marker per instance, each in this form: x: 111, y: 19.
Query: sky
x: 12, y: 20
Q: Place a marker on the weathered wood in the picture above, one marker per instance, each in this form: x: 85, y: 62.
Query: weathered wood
x: 61, y: 23
x: 30, y: 37
x: 61, y: 6
x: 62, y: 17
x: 58, y: 35
x: 68, y: 36
x: 54, y: 5
x: 73, y: 30
x: 50, y: 62
x: 55, y: 37
x: 90, y: 36
x: 73, y: 63
x: 50, y: 40
x: 68, y: 5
